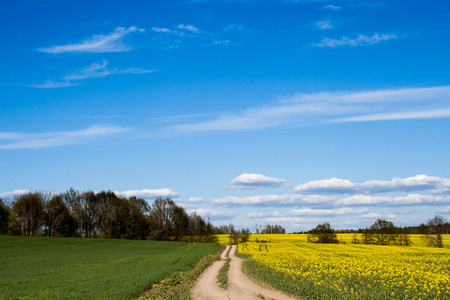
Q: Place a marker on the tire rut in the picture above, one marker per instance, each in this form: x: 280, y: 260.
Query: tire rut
x: 240, y: 287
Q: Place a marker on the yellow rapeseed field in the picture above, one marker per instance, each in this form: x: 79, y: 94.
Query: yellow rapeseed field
x: 348, y: 271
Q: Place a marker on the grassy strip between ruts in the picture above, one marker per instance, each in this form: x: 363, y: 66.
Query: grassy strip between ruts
x: 222, y: 277
x: 178, y: 285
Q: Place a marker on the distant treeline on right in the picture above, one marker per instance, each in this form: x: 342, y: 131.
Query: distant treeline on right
x: 383, y: 232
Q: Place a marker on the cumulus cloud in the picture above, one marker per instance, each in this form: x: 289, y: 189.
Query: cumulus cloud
x: 148, y: 193
x: 361, y: 40
x: 255, y: 181
x: 58, y: 138
x: 98, y: 43
x: 273, y: 200
x: 341, y: 186
x: 196, y: 200
x: 13, y: 194
x: 310, y: 212
x: 214, y: 214
x: 289, y: 220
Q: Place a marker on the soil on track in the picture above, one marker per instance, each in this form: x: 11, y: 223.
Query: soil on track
x: 240, y: 287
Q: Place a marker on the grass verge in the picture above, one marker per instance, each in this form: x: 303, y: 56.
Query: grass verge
x: 222, y: 277
x: 270, y: 277
x: 178, y: 285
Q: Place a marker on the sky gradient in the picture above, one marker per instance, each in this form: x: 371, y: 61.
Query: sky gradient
x: 250, y: 112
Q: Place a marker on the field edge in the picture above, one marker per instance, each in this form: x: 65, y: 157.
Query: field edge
x: 178, y: 285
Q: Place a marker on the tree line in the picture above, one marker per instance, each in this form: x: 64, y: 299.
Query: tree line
x: 268, y: 229
x: 383, y: 232
x: 103, y: 214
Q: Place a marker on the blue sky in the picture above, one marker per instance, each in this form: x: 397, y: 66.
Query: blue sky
x: 251, y: 112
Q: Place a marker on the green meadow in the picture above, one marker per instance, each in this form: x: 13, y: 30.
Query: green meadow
x: 74, y: 268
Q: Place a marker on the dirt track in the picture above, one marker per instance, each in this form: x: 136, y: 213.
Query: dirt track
x: 240, y: 287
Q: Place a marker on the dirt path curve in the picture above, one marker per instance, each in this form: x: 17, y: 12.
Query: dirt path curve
x: 240, y: 287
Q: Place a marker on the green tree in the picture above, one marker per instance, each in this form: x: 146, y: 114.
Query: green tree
x: 4, y: 217
x: 322, y: 233
x: 58, y: 221
x: 385, y: 233
x: 139, y: 219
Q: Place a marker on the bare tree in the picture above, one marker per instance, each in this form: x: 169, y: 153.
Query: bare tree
x: 436, y: 227
x: 28, y: 214
x: 161, y: 218
x: 367, y: 237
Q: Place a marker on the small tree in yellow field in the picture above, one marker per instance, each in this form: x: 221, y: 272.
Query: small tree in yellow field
x: 322, y: 233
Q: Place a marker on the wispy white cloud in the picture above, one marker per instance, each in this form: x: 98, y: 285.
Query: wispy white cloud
x: 161, y: 29
x: 341, y: 186
x: 148, y: 193
x: 95, y: 70
x: 98, y: 43
x: 368, y: 4
x: 361, y: 40
x: 49, y: 84
x: 332, y: 7
x: 232, y: 27
x: 427, y: 114
x: 331, y: 107
x: 324, y: 25
x: 377, y: 216
x: 58, y: 138
x: 254, y: 181
x: 190, y: 28
x: 13, y: 194
x: 222, y: 42
x: 443, y: 210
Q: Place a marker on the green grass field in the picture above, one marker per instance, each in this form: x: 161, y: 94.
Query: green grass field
x: 66, y: 268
